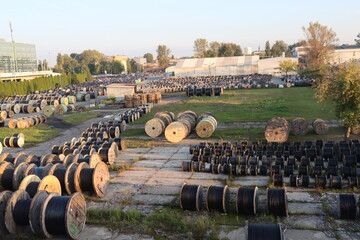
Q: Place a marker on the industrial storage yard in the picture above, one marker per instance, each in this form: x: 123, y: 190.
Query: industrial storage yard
x: 147, y: 192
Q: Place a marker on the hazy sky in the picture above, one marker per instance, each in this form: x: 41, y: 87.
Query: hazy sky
x: 132, y: 28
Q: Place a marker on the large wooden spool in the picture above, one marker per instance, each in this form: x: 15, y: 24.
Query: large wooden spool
x: 320, y: 127
x: 206, y: 125
x: 49, y: 110
x: 4, y: 198
x: 32, y: 184
x: 277, y: 130
x: 299, y: 126
x: 156, y: 126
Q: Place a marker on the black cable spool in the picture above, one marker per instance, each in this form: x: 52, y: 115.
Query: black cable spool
x: 291, y: 150
x: 291, y: 161
x: 60, y: 174
x: 228, y: 153
x: 288, y: 170
x: 266, y: 161
x: 303, y: 150
x: 246, y: 201
x: 286, y: 155
x: 311, y: 153
x: 217, y: 160
x: 207, y: 151
x: 227, y: 169
x: 207, y: 159
x: 278, y: 154
x: 278, y: 180
x: 224, y: 160
x: 335, y: 182
x: 317, y: 170
x: 328, y: 152
x: 319, y: 143
x: 195, y: 158
x: 233, y: 160
x: 216, y: 168
x: 349, y: 160
x: 347, y: 206
x: 320, y: 181
x: 191, y: 197
x: 319, y: 161
x: 253, y: 170
x: 264, y: 232
x: 21, y: 212
x: 186, y: 166
x: 217, y: 198
x: 253, y: 161
x: 303, y: 170
x: 243, y: 170
x: 275, y: 169
x: 263, y: 170
x: 234, y: 170
x: 294, y: 181
x: 277, y: 202
x: 305, y: 181
x: 243, y: 160
x: 259, y: 155
x: 353, y: 182
x: 332, y: 170
x: 32, y: 188
x: 346, y: 172
x: 343, y: 152
x: 218, y: 152
x: 298, y: 155
x: 55, y: 215
x: 7, y: 179
x: 196, y: 151
x: 279, y: 161
x: 308, y: 143
x: 297, y: 145
x: 305, y: 161
x: 332, y: 162
x: 268, y: 153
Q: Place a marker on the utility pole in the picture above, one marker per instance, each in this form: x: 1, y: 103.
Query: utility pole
x: 15, y: 68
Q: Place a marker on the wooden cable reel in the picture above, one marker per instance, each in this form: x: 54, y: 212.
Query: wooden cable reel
x: 320, y: 127
x: 33, y: 184
x: 299, y: 126
x: 92, y: 180
x: 191, y: 197
x: 277, y: 130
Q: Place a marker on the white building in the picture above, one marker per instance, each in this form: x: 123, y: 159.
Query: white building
x: 248, y: 51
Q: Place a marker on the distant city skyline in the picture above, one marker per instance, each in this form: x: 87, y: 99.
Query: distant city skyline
x: 134, y: 28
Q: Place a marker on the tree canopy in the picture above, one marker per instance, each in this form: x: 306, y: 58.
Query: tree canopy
x: 267, y: 49
x: 320, y: 42
x: 279, y: 48
x: 287, y: 66
x: 342, y: 85
x: 358, y: 39
x: 163, y: 53
x: 149, y: 57
x: 203, y: 48
x: 200, y: 47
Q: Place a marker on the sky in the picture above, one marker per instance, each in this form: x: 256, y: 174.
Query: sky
x: 133, y: 28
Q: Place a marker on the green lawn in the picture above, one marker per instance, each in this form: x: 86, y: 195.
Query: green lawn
x: 79, y: 117
x: 33, y: 135
x: 254, y: 105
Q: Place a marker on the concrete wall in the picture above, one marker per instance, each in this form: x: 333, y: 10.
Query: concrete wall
x: 344, y: 55
x: 271, y: 65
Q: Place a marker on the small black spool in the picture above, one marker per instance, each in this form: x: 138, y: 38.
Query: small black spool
x: 191, y: 197
x: 303, y: 170
x: 243, y: 170
x: 320, y: 181
x: 347, y: 206
x: 353, y: 182
x: 346, y: 172
x: 234, y: 170
x: 246, y: 201
x: 195, y: 166
x: 216, y: 168
x: 253, y: 170
x: 21, y: 212
x: 217, y: 198
x: 275, y: 169
x: 55, y: 215
x: 349, y: 160
x: 333, y: 162
x: 264, y: 232
x: 319, y: 161
x: 328, y: 152
x: 291, y: 161
x: 32, y: 188
x: 317, y: 170
x: 288, y: 170
x: 227, y: 168
x: 277, y: 202
x: 233, y: 160
x: 294, y: 181
x: 305, y: 181
x: 279, y: 161
x: 263, y: 170
x: 186, y: 166
x: 332, y: 170
x: 298, y: 155
x: 7, y: 179
x: 278, y: 180
x: 305, y: 161
x: 335, y: 182
x: 60, y: 174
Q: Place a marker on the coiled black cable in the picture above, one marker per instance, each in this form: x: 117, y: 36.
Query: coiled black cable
x: 347, y: 206
x: 21, y: 212
x: 191, y: 197
x: 246, y: 201
x: 7, y: 179
x: 217, y: 198
x: 277, y: 202
x: 264, y: 232
x: 55, y: 215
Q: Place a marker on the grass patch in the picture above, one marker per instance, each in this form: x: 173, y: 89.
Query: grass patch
x: 77, y: 118
x: 140, y: 143
x: 134, y: 132
x: 254, y: 105
x: 33, y: 135
x: 239, y: 134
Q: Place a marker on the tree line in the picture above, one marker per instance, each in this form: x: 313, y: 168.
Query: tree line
x: 41, y: 84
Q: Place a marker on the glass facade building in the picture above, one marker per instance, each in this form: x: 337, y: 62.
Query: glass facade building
x: 17, y: 57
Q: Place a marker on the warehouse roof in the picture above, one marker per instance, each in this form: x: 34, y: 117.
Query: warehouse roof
x: 217, y: 62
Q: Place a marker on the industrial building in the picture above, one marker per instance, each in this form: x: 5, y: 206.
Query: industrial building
x: 242, y: 65
x: 18, y: 62
x: 119, y: 91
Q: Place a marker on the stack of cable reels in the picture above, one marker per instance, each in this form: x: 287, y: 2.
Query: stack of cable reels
x: 206, y: 125
x: 16, y: 140
x: 60, y: 109
x: 46, y: 214
x: 27, y: 122
x: 180, y: 129
x: 299, y: 126
x: 277, y: 130
x: 156, y: 126
x: 320, y: 127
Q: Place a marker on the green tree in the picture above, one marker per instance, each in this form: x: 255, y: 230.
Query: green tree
x: 229, y: 50
x: 117, y: 67
x: 267, y: 49
x: 287, y: 66
x: 320, y: 42
x: 358, y: 40
x: 213, y: 50
x: 200, y: 47
x: 59, y: 63
x: 163, y: 53
x: 149, y: 57
x: 279, y: 48
x: 342, y: 84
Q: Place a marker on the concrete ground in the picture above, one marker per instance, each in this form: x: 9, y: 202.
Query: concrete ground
x: 154, y: 180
